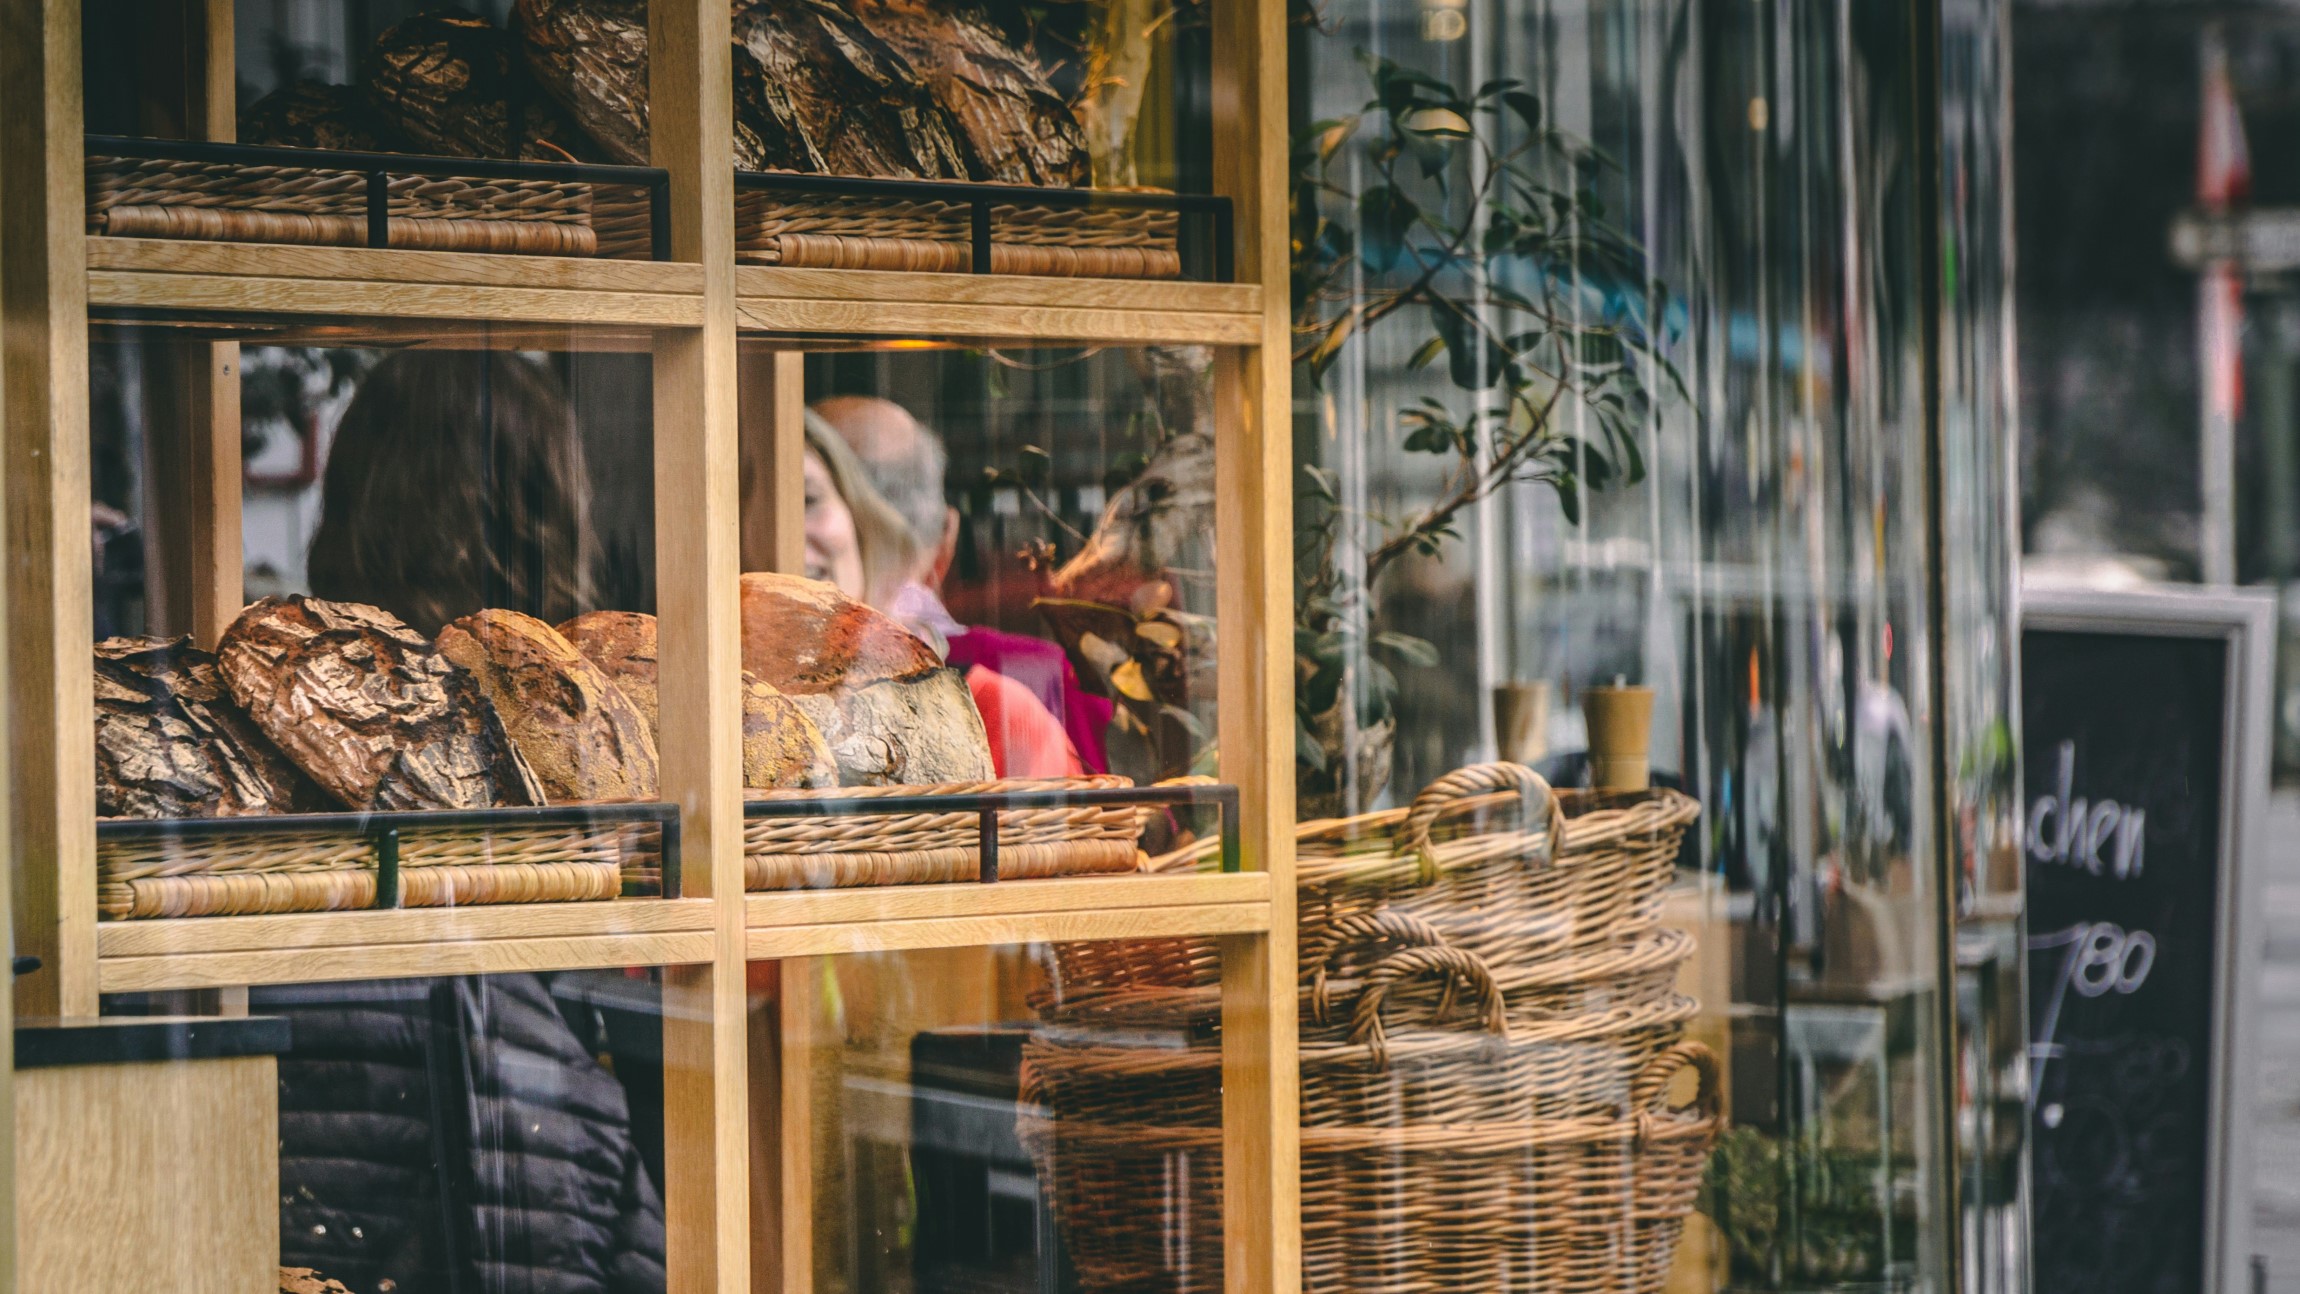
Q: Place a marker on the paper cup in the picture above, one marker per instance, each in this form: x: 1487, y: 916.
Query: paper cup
x: 1620, y: 736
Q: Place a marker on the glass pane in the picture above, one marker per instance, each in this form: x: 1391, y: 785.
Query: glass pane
x: 1633, y: 496
x: 1016, y: 1118
x: 1041, y: 520
x: 430, y: 538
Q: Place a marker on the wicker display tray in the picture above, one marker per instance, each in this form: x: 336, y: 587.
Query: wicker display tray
x: 1588, y: 1205
x: 932, y: 226
x: 1471, y: 858
x: 148, y: 188
x: 1018, y: 829
x: 317, y: 862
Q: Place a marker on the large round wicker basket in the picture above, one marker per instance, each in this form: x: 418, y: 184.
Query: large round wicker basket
x: 1589, y: 1205
x: 1471, y: 857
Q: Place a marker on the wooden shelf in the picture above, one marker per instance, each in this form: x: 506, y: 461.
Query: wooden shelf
x: 813, y: 922
x: 213, y: 952
x: 347, y: 295
x: 972, y: 307
x: 333, y: 292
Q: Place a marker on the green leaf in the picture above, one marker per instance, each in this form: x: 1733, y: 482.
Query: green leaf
x: 1306, y: 747
x: 1413, y: 651
x: 1526, y: 105
x: 1426, y: 352
x: 1329, y: 347
x: 1466, y: 345
x: 1386, y: 216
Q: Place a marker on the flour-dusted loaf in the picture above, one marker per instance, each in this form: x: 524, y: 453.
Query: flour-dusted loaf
x: 781, y: 746
x: 364, y: 705
x: 583, y: 737
x: 171, y: 744
x: 894, y: 714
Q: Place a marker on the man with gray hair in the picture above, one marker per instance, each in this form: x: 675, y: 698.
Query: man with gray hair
x: 1041, y: 723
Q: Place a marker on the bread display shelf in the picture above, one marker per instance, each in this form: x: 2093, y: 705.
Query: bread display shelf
x: 873, y: 223
x: 197, y: 867
x: 254, y: 193
x: 928, y: 836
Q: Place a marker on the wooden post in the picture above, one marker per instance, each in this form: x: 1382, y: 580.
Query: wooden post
x: 193, y: 548
x: 697, y: 536
x: 774, y: 401
x: 774, y: 443
x: 1253, y: 470
x: 50, y: 700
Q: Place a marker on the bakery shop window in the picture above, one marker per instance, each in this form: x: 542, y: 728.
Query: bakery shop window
x: 1007, y: 1118
x: 439, y: 603
x: 1038, y: 521
x: 1104, y: 109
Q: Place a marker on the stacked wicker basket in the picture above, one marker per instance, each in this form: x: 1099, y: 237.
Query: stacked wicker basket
x: 1490, y: 1038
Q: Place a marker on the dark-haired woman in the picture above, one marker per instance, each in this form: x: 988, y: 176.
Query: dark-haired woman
x: 457, y: 1134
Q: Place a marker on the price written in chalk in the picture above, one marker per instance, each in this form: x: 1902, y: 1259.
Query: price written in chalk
x: 2097, y: 958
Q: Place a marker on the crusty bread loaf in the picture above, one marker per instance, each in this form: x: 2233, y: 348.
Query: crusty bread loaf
x: 781, y: 746
x: 170, y: 743
x: 893, y: 713
x: 364, y: 705
x: 583, y: 737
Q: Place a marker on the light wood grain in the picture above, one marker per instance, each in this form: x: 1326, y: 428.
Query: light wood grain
x: 51, y: 710
x: 374, y: 265
x: 388, y: 961
x: 944, y: 321
x: 1013, y: 928
x: 796, y: 1062
x: 774, y: 405
x: 762, y: 283
x: 1254, y: 529
x: 130, y: 1169
x: 1005, y: 898
x: 698, y: 520
x: 251, y: 295
x: 289, y: 932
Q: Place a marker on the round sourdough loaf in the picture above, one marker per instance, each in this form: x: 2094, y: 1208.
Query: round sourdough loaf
x: 583, y: 737
x: 894, y: 714
x: 171, y: 744
x: 364, y: 705
x: 782, y: 748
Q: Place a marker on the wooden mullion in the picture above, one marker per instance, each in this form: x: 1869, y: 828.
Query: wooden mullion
x: 50, y: 702
x: 706, y: 1113
x: 1262, y: 1239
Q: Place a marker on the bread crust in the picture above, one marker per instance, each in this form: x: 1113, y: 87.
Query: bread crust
x: 171, y: 744
x: 782, y: 747
x: 893, y: 713
x: 369, y: 710
x: 581, y: 734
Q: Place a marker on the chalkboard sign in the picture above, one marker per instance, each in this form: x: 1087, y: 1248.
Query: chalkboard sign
x: 2143, y: 750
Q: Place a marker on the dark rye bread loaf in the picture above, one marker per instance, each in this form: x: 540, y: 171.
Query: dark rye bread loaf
x: 583, y: 737
x: 170, y: 743
x: 893, y: 713
x: 456, y: 84
x: 1012, y: 127
x: 782, y: 748
x: 364, y: 705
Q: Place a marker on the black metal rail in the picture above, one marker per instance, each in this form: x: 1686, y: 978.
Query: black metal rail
x: 987, y: 804
x: 981, y: 199
x: 380, y: 167
x: 381, y: 830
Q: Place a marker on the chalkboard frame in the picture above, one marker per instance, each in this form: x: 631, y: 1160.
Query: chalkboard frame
x: 2246, y: 622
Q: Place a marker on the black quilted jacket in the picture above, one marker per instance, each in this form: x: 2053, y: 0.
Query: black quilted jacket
x: 454, y: 1135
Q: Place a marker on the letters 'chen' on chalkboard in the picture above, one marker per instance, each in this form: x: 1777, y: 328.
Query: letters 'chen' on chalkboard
x: 2134, y: 822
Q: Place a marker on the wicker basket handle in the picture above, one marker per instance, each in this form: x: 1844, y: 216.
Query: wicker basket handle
x: 1366, y: 928
x: 1451, y: 964
x: 1648, y: 1094
x: 1442, y: 795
